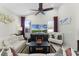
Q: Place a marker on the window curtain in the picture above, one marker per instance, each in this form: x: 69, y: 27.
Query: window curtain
x: 56, y: 24
x: 22, y: 25
x: 77, y: 45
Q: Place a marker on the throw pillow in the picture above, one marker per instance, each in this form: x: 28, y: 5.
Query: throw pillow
x: 53, y: 36
x: 59, y: 37
x: 13, y: 52
x: 20, y: 37
x: 68, y: 52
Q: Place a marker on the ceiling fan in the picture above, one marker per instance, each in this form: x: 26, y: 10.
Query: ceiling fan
x: 41, y: 10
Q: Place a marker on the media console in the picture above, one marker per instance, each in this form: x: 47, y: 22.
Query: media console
x: 39, y: 43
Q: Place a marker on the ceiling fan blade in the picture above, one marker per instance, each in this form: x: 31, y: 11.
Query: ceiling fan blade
x: 40, y: 6
x: 37, y: 13
x: 47, y: 9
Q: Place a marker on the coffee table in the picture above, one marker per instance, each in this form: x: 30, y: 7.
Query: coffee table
x: 43, y: 48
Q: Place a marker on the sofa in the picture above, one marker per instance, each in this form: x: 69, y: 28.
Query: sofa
x: 16, y: 42
x: 56, y: 38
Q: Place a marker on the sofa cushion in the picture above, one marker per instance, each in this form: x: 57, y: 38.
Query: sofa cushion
x: 20, y: 37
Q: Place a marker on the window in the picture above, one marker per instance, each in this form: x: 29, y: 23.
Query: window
x: 27, y: 25
x: 50, y: 26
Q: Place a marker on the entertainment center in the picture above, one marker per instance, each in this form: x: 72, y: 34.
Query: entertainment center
x: 39, y: 43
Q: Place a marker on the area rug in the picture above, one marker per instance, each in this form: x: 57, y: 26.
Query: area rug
x: 26, y: 49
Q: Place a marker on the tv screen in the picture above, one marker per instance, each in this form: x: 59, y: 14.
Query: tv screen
x: 39, y: 27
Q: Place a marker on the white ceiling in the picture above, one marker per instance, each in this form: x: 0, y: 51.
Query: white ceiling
x: 25, y: 8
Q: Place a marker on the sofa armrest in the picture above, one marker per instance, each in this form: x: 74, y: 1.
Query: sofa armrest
x: 55, y: 41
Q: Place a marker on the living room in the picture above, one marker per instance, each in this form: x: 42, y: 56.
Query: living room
x: 11, y: 30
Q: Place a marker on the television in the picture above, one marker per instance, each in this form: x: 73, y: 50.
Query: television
x: 39, y: 27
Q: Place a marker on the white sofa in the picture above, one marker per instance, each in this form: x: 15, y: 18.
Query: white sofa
x: 56, y: 40
x: 56, y: 37
x: 16, y: 42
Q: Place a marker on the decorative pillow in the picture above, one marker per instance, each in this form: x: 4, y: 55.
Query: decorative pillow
x: 59, y: 37
x: 20, y: 37
x: 53, y: 36
x: 68, y: 52
x: 13, y: 52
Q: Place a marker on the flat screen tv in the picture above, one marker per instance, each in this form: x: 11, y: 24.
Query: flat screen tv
x: 39, y: 27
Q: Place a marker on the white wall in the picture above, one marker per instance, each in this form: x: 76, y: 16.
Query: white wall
x: 42, y: 19
x: 71, y: 31
x: 10, y: 28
